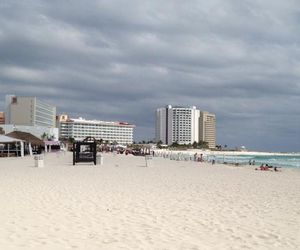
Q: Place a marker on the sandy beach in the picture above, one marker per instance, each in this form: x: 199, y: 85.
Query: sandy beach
x: 124, y: 205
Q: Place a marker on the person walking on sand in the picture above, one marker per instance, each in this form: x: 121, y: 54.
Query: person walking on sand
x: 201, y: 158
x: 195, y: 157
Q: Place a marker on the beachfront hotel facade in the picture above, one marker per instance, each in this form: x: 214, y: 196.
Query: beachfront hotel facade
x: 29, y: 111
x: 31, y: 115
x: 177, y: 124
x: 2, y: 118
x: 207, y: 128
x: 79, y: 129
x: 182, y: 125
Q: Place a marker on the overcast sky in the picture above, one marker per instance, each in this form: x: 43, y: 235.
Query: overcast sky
x: 120, y: 60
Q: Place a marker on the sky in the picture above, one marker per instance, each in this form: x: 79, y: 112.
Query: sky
x: 121, y: 60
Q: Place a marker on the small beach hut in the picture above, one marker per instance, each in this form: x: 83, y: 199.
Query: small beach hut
x: 7, y: 144
x: 85, y: 151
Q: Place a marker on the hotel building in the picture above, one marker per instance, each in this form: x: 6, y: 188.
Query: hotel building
x: 79, y: 129
x: 177, y: 124
x: 184, y: 125
x: 2, y: 118
x: 29, y: 114
x: 207, y: 128
x: 28, y: 111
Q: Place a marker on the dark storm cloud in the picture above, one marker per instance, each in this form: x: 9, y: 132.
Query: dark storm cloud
x: 121, y: 60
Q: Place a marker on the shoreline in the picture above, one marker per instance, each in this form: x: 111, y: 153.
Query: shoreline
x: 233, y: 157
x: 211, y: 152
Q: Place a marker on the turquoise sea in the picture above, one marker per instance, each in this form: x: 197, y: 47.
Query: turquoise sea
x: 292, y: 161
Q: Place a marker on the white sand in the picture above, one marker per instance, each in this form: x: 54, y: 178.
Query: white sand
x: 124, y: 205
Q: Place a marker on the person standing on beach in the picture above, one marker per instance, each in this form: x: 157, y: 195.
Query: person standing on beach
x: 195, y: 157
x: 201, y: 157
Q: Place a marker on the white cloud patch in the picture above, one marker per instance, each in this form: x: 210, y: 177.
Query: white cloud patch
x: 22, y: 74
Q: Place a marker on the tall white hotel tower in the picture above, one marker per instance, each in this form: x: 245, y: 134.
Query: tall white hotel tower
x: 185, y: 125
x: 177, y: 124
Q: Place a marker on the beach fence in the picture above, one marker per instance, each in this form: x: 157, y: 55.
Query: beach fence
x: 188, y: 156
x: 175, y: 156
x: 207, y: 156
x: 181, y: 157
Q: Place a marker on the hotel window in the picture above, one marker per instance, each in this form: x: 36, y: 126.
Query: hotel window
x: 14, y: 100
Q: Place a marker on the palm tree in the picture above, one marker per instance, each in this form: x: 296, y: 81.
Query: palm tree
x: 44, y: 136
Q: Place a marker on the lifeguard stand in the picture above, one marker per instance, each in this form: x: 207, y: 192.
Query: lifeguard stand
x: 85, y: 151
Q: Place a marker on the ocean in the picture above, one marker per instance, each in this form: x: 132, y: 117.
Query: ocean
x: 291, y: 161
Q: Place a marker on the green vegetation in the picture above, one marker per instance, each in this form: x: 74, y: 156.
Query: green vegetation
x: 198, y: 145
x: 159, y: 143
x: 71, y: 140
x: 44, y: 136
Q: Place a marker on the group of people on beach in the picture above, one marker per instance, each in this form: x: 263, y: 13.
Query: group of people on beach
x: 198, y: 157
x: 266, y: 167
x: 251, y: 162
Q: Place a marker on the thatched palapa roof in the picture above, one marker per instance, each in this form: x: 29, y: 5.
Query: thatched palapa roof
x: 26, y: 137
